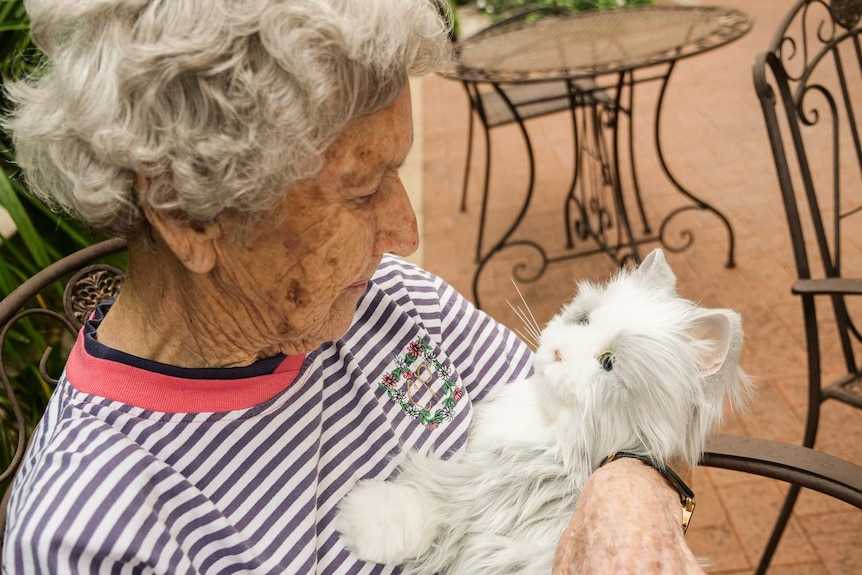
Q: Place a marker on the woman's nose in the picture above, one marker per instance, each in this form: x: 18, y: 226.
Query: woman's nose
x: 397, y: 231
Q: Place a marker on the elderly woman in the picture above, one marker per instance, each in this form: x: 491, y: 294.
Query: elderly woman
x: 211, y: 418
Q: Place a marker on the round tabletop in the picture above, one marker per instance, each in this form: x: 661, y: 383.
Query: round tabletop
x: 586, y: 44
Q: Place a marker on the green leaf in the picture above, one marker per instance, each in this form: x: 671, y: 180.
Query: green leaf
x: 74, y: 231
x: 9, y: 199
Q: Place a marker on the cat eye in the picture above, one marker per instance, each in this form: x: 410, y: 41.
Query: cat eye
x: 583, y: 320
x: 606, y: 360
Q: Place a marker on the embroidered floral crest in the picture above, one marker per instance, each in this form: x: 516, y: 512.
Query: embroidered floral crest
x: 414, y: 369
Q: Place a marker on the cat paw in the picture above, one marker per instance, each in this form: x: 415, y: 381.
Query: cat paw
x: 385, y: 522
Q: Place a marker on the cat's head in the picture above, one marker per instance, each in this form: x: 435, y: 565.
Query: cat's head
x: 630, y: 365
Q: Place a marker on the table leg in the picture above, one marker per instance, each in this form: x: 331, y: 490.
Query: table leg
x: 592, y: 177
x: 590, y: 173
x: 626, y: 237
x: 503, y: 242
x: 486, y: 182
x: 629, y: 79
x: 596, y: 118
x: 596, y: 191
x: 699, y: 204
x: 469, y: 160
x: 571, y: 198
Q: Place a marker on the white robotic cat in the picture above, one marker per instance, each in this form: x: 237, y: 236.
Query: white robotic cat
x: 625, y: 366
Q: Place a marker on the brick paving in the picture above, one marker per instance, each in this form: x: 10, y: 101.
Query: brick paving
x: 716, y: 146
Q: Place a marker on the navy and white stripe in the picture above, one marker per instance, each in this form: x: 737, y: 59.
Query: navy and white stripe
x: 108, y: 487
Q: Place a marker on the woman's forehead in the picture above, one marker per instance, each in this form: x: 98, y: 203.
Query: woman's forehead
x: 375, y: 142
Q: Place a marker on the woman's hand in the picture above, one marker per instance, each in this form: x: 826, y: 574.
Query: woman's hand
x: 628, y: 520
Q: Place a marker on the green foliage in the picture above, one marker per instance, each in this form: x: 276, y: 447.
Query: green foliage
x: 506, y: 6
x: 42, y: 237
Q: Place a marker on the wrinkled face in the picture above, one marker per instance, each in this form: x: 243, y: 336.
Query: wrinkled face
x: 307, y: 264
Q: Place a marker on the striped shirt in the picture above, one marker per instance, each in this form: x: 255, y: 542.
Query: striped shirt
x: 140, y: 467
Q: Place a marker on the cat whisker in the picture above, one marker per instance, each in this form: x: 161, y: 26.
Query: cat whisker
x: 534, y: 333
x: 529, y: 340
x: 531, y: 336
x: 535, y: 324
x: 529, y: 320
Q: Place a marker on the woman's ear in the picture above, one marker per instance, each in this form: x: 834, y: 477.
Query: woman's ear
x: 194, y: 247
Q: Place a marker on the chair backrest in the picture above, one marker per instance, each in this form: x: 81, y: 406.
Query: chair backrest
x: 810, y: 86
x: 26, y: 322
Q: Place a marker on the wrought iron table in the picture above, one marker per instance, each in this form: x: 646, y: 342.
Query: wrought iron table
x: 608, y: 52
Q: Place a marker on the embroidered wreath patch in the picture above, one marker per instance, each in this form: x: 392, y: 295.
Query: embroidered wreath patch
x: 413, y: 372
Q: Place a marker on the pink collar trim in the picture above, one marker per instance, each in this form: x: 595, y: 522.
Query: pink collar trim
x: 165, y: 393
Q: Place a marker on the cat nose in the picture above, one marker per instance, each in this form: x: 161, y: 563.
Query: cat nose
x: 558, y: 357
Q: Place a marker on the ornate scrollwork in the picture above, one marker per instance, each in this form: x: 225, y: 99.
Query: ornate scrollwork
x: 685, y: 237
x: 89, y: 287
x: 8, y: 389
x: 815, y: 29
x: 810, y: 115
x: 589, y: 196
x: 521, y: 270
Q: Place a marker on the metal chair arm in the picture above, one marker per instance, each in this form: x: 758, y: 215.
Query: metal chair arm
x: 828, y: 286
x: 787, y: 462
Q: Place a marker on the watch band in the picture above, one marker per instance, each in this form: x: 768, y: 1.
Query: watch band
x: 686, y: 495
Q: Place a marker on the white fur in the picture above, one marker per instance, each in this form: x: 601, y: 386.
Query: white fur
x: 501, y: 507
x: 386, y: 520
x: 531, y: 426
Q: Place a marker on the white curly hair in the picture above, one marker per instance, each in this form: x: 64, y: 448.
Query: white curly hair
x: 221, y: 104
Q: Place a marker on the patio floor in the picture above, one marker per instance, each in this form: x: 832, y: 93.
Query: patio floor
x: 716, y: 145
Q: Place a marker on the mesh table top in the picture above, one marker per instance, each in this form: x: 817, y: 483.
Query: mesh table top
x: 587, y: 44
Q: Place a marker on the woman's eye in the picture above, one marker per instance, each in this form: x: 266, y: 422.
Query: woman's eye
x: 384, y: 184
x: 366, y: 198
x: 606, y: 360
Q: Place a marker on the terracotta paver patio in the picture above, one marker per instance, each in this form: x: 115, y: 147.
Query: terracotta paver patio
x: 716, y: 145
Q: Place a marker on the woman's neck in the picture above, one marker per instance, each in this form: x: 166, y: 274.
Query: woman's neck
x: 167, y: 314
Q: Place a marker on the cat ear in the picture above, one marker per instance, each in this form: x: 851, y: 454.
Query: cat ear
x: 655, y: 270
x: 721, y: 333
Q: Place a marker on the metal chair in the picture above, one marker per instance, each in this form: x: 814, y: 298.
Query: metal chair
x: 92, y: 282
x: 87, y: 284
x: 810, y: 89
x: 504, y: 104
x: 497, y: 104
x: 500, y: 105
